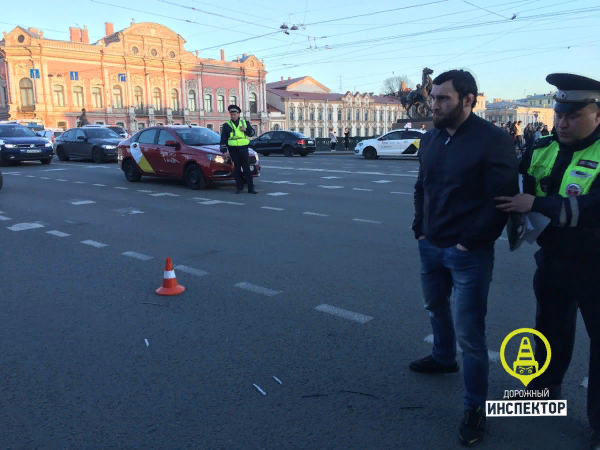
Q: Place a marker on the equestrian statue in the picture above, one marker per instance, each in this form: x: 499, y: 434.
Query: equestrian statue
x: 419, y: 100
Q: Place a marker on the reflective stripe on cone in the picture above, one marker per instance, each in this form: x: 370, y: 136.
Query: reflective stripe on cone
x: 169, y: 286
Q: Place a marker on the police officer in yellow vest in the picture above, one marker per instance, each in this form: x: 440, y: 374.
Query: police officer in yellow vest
x: 561, y: 181
x: 234, y: 139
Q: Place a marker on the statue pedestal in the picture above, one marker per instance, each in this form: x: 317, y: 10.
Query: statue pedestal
x: 415, y: 124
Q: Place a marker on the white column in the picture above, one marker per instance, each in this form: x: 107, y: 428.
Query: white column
x: 239, y: 100
x: 200, y: 94
x: 184, y: 93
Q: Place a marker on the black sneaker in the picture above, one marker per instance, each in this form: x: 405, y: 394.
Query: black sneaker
x: 430, y: 365
x: 595, y: 441
x: 472, y: 427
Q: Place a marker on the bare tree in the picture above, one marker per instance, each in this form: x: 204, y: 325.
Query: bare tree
x: 392, y: 85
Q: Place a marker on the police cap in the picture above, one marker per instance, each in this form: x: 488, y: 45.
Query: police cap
x: 234, y: 108
x: 574, y: 91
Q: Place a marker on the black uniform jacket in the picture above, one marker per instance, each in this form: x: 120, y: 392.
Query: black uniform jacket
x: 573, y: 233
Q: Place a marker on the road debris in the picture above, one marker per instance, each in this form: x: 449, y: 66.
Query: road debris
x: 260, y: 390
x: 146, y: 342
x: 150, y: 303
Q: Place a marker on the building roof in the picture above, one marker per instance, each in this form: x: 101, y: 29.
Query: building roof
x: 285, y: 83
x: 328, y: 97
x: 271, y: 108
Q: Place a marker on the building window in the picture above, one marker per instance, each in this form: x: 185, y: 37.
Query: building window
x: 221, y: 129
x: 292, y: 113
x: 117, y: 97
x: 300, y: 113
x: 349, y: 113
x: 340, y: 132
x: 140, y: 126
x: 21, y: 39
x: 59, y: 95
x: 253, y: 103
x: 311, y: 115
x: 339, y: 113
x: 312, y: 132
x: 301, y: 130
x: 156, y: 98
x: 320, y: 132
x: 175, y: 99
x: 26, y: 86
x: 172, y: 55
x: 381, y: 116
x: 330, y: 114
x: 395, y: 115
x: 153, y: 52
x: 232, y: 100
x: 192, y: 100
x: 62, y: 125
x: 221, y: 103
x: 134, y: 50
x: 138, y: 96
x: 389, y: 116
x: 97, y: 97
x: 120, y: 124
x: 320, y: 114
x: 292, y: 129
x: 275, y: 127
x: 366, y: 114
x: 208, y: 102
x: 358, y: 115
x: 78, y: 96
x: 209, y: 126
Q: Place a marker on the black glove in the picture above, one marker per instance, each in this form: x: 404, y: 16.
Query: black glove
x: 223, y: 149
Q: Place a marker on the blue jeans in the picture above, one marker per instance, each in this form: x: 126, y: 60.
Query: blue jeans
x: 470, y: 274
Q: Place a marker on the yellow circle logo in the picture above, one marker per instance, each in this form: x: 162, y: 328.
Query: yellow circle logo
x: 525, y: 368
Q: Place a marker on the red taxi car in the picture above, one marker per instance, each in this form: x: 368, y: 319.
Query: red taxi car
x: 182, y: 152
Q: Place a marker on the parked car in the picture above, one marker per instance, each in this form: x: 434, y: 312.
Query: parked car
x: 120, y: 131
x: 181, y: 152
x: 289, y: 143
x: 394, y: 143
x: 96, y: 143
x: 51, y: 134
x: 18, y: 143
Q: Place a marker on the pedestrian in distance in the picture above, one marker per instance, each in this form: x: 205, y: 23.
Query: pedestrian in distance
x: 333, y: 139
x: 346, y: 139
x: 234, y: 139
x: 561, y: 181
x: 537, y: 135
x: 423, y: 127
x: 464, y: 163
x: 83, y: 120
x: 494, y: 122
x: 545, y: 131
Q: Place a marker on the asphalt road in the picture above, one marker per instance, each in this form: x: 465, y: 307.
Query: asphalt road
x: 315, y: 281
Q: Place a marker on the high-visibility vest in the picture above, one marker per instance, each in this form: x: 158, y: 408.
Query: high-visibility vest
x: 579, y: 176
x: 237, y: 138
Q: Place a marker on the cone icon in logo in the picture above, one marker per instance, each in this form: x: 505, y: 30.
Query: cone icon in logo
x: 525, y: 360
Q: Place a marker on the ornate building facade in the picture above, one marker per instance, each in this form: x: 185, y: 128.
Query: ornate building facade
x: 137, y: 77
x: 310, y: 108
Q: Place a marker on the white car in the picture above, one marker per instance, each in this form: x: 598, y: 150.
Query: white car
x: 394, y: 143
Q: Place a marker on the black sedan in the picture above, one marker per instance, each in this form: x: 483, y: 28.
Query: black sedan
x: 96, y: 143
x: 289, y: 143
x: 19, y: 143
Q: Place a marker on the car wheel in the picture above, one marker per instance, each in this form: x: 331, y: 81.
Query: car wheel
x: 288, y: 151
x: 46, y: 161
x: 60, y: 152
x: 97, y: 155
x: 131, y: 173
x: 303, y: 154
x: 194, y: 177
x: 370, y: 153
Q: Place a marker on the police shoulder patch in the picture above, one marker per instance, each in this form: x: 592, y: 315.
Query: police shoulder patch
x: 588, y: 164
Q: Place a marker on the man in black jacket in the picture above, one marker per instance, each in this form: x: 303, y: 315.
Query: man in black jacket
x: 464, y: 163
x: 561, y: 181
x: 234, y: 139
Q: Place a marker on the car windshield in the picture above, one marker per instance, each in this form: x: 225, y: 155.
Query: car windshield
x: 101, y: 133
x: 297, y: 134
x: 6, y: 132
x: 198, y: 136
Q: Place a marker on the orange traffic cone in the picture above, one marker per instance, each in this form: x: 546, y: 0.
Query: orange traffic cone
x: 169, y: 286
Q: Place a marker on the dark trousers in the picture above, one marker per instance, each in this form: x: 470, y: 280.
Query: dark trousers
x: 561, y: 286
x: 240, y: 159
x: 333, y: 145
x: 469, y: 275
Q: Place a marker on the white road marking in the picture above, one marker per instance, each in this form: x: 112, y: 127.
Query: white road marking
x: 331, y: 178
x: 330, y: 187
x: 383, y: 181
x: 413, y: 171
x: 5, y: 218
x: 270, y: 207
x: 344, y: 313
x: 25, y: 226
x: 136, y: 255
x: 257, y: 289
x: 12, y: 173
x: 60, y: 179
x: 191, y: 270
x: 145, y: 191
x: 128, y: 211
x: 585, y: 382
x: 79, y: 182
x: 58, y: 233
x: 94, y: 244
x: 199, y: 198
x: 276, y: 194
x: 315, y: 214
x: 359, y: 189
x: 216, y: 202
x: 29, y: 176
x: 147, y: 344
x: 164, y: 194
x: 403, y: 193
x: 45, y: 178
x: 366, y: 221
x: 343, y: 171
x: 102, y: 185
x: 52, y: 170
x: 82, y: 202
x: 492, y: 355
x: 97, y: 167
x: 260, y: 390
x: 119, y: 187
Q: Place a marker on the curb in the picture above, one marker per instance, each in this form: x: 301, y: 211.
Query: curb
x: 333, y: 153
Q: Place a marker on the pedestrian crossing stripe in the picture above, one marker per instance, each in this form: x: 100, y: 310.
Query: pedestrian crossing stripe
x: 140, y: 159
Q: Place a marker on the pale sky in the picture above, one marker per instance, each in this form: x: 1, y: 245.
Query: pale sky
x: 361, y: 42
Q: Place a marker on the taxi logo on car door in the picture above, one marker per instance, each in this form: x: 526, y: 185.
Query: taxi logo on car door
x: 140, y: 159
